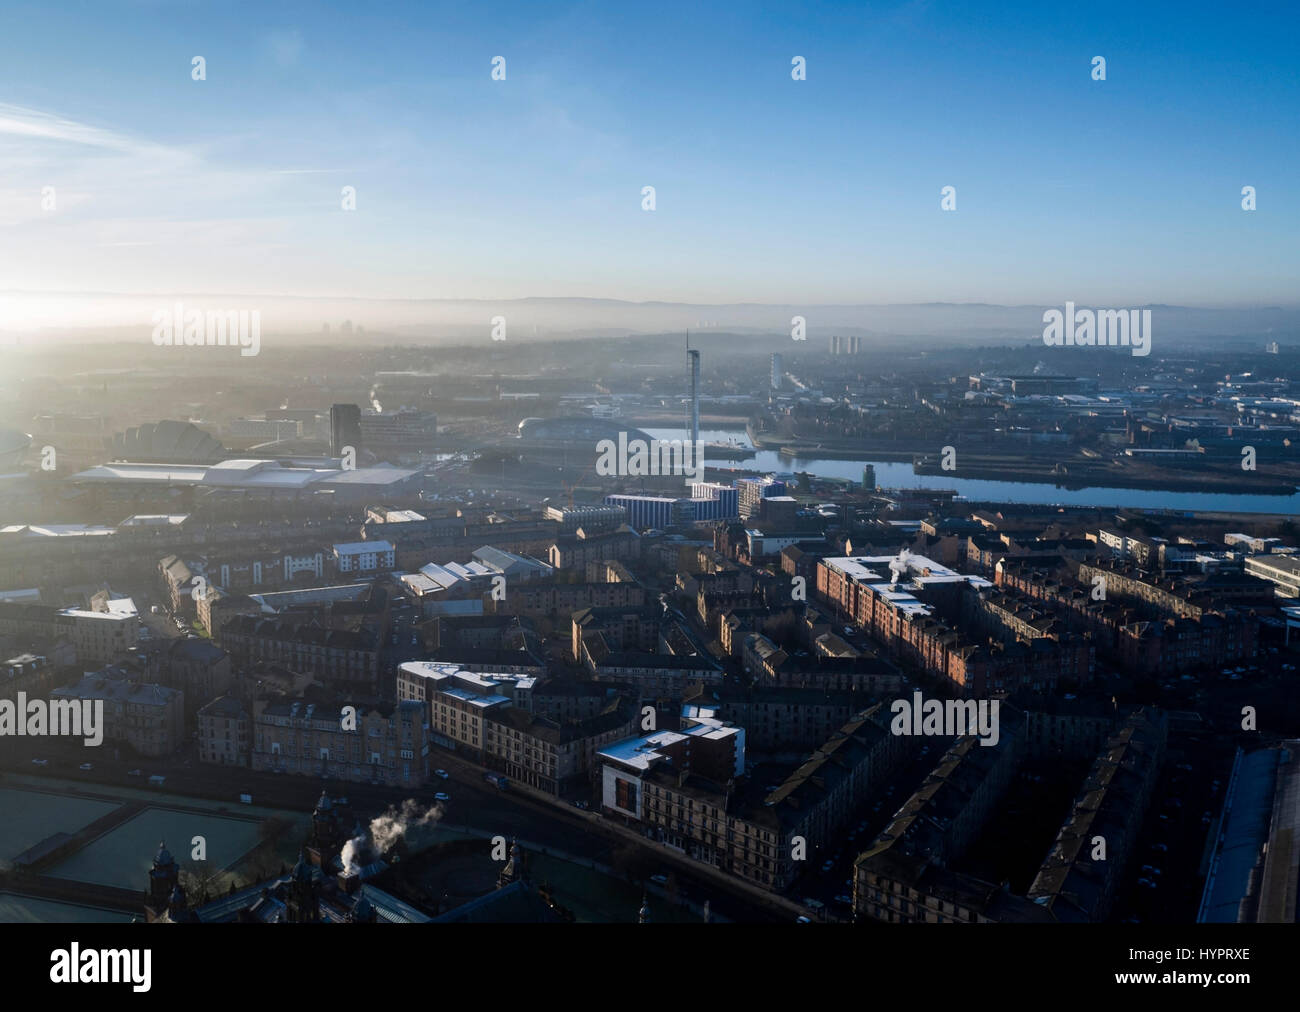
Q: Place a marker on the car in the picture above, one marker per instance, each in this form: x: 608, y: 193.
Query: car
x: 659, y: 879
x: 441, y: 773
x: 1234, y: 677
x: 812, y: 904
x: 846, y: 900
x: 827, y: 865
x: 1146, y: 882
x: 86, y: 767
x: 1163, y: 848
x: 803, y: 920
x: 440, y: 796
x: 135, y: 773
x: 40, y: 762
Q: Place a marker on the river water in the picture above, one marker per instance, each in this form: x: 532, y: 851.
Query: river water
x: 895, y: 474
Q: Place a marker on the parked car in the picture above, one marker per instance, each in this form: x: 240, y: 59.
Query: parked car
x: 135, y: 773
x: 659, y: 879
x: 441, y: 773
x: 85, y: 767
x: 40, y: 762
x: 442, y: 797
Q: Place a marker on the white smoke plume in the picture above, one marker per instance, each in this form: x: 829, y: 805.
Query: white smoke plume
x: 898, y: 566
x: 385, y: 830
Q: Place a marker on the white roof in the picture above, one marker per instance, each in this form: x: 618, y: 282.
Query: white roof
x: 241, y: 473
x: 356, y: 547
x: 641, y: 752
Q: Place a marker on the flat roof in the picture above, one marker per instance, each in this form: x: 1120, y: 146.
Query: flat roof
x: 240, y: 473
x: 640, y: 752
x: 365, y: 546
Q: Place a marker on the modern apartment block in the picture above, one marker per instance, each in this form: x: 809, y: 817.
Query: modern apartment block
x: 365, y: 557
x: 1283, y: 571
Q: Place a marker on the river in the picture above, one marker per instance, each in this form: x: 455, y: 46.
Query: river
x: 895, y: 474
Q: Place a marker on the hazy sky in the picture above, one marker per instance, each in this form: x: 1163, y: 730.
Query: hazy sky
x: 767, y: 189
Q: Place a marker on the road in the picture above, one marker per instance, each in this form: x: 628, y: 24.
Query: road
x: 474, y: 803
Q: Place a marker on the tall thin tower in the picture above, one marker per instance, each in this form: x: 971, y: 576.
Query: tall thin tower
x: 694, y: 358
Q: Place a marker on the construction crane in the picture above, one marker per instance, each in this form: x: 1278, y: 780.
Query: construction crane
x: 570, y: 489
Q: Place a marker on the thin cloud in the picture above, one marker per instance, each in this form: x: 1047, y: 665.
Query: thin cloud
x: 17, y: 121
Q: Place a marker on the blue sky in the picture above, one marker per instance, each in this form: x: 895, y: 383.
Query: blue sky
x: 1122, y: 192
